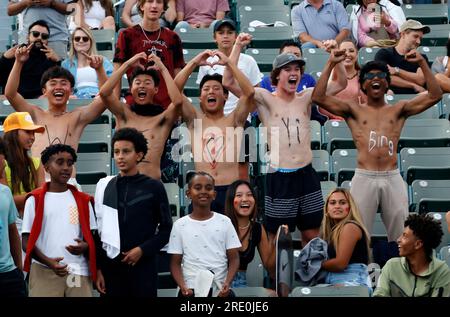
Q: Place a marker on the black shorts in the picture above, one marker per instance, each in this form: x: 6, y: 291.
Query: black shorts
x: 293, y: 198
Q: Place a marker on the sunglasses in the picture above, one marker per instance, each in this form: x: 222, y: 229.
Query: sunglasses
x: 370, y: 76
x: 79, y: 38
x: 36, y: 34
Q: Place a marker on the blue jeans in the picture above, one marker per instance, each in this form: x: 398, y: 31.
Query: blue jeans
x: 354, y: 275
x: 240, y: 280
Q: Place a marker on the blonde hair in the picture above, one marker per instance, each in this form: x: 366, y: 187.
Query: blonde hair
x: 92, y: 50
x: 330, y: 230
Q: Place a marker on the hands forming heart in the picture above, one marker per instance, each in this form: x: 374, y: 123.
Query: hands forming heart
x: 211, y: 58
x: 144, y: 61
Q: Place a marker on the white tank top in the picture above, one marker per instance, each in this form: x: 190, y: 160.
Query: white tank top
x: 95, y: 15
x: 86, y: 77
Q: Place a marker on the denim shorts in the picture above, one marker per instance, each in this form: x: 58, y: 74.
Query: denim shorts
x: 240, y: 280
x: 355, y: 274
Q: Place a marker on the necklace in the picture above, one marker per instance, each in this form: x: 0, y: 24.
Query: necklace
x: 245, y: 227
x: 351, y: 77
x: 153, y: 49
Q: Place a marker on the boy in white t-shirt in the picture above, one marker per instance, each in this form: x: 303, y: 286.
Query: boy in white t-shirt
x: 56, y: 231
x: 204, y: 242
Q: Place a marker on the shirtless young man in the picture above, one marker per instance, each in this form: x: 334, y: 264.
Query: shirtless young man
x: 376, y: 128
x: 293, y: 193
x: 217, y: 150
x: 61, y: 126
x: 141, y: 115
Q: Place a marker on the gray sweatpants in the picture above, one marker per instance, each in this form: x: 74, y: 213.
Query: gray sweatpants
x: 371, y: 189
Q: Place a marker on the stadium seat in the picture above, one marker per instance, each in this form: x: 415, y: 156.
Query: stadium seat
x: 330, y: 291
x: 327, y: 187
x: 430, y: 195
x: 267, y: 14
x: 444, y: 254
x: 315, y: 59
x: 445, y: 104
x: 427, y: 13
x: 367, y: 54
x: 343, y: 162
x: 269, y: 37
x: 425, y: 133
x: 5, y: 110
x: 90, y: 179
x: 97, y: 133
x: 440, y: 216
x: 264, y: 57
x: 378, y: 228
x: 255, y: 271
x: 316, y: 135
x: 425, y: 163
x: 196, y: 38
x: 253, y: 292
x: 167, y: 292
x: 190, y: 53
x: 321, y: 164
x: 438, y: 35
x: 94, y: 162
x: 173, y: 194
x: 346, y: 184
x: 432, y: 52
x: 337, y: 135
x: 431, y: 113
x: 191, y: 88
x: 105, y: 42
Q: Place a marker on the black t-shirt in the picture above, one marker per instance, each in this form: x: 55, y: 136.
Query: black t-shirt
x: 30, y: 77
x: 391, y: 57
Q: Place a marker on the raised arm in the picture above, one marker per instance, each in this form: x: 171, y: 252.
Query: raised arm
x: 242, y: 40
x: 246, y: 103
x: 172, y: 89
x: 15, y: 99
x: 338, y: 80
x: 188, y: 110
x: 14, y: 8
x: 332, y: 104
x: 111, y: 101
x: 92, y: 111
x: 422, y: 101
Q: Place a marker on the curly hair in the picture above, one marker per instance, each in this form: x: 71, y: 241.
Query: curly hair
x: 57, y: 148
x: 373, y: 65
x: 134, y: 136
x: 427, y: 229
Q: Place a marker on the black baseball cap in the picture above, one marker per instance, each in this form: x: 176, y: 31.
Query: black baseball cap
x: 219, y: 23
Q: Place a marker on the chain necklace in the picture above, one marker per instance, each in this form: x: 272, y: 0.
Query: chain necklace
x: 153, y: 49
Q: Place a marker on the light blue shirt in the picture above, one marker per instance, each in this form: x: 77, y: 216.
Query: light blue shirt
x: 8, y: 215
x: 323, y: 24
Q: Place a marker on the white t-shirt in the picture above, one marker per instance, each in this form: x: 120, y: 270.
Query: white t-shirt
x: 60, y: 226
x: 204, y: 245
x: 95, y: 15
x: 86, y: 77
x: 246, y: 64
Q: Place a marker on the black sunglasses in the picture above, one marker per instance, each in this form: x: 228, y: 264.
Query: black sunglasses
x: 78, y: 38
x: 36, y: 34
x: 370, y: 76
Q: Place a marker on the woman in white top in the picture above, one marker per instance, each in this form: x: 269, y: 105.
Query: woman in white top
x: 95, y: 14
x: 369, y: 27
x: 81, y: 62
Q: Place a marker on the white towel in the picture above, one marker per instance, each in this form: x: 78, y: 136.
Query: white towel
x: 107, y: 221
